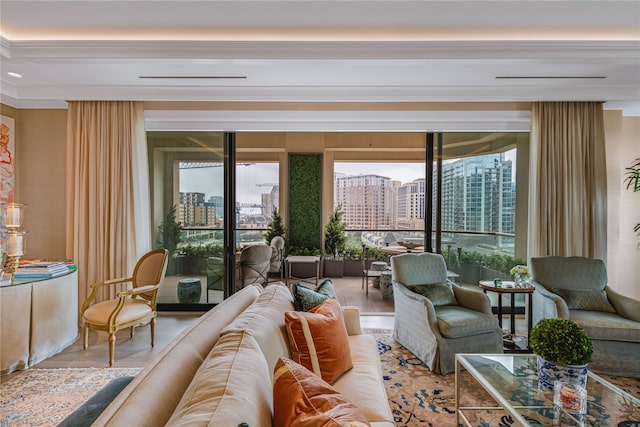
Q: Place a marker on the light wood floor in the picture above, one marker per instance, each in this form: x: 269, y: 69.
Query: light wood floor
x: 376, y: 312
x: 137, y: 351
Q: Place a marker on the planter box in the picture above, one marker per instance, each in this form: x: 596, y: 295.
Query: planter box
x: 472, y: 274
x: 352, y: 267
x: 333, y: 267
x: 304, y: 270
x: 192, y: 265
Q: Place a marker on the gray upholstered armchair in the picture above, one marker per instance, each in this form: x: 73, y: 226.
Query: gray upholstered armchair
x: 576, y: 288
x: 436, y: 319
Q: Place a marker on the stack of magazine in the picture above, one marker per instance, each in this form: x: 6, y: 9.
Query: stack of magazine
x: 41, y: 269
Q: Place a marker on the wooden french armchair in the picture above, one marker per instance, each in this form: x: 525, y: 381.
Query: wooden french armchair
x: 132, y: 307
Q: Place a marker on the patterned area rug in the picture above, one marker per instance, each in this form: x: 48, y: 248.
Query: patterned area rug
x: 419, y: 397
x: 45, y: 397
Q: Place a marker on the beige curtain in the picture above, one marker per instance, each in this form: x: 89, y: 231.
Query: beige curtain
x: 567, y: 186
x: 107, y: 191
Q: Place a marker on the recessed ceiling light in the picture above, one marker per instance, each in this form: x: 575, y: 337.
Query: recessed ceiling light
x: 12, y: 74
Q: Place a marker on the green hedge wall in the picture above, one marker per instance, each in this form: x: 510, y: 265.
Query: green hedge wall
x: 305, y: 203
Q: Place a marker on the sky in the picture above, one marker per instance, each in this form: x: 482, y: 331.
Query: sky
x: 210, y: 180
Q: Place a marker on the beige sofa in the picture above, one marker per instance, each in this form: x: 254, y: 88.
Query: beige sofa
x: 220, y: 370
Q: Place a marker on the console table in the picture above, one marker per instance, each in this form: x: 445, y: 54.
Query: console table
x: 37, y: 320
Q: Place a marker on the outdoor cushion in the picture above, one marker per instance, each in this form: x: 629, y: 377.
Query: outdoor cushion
x: 585, y: 299
x: 438, y: 293
x: 606, y: 326
x: 456, y: 321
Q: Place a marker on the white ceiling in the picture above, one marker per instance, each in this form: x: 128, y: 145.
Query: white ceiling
x: 320, y: 51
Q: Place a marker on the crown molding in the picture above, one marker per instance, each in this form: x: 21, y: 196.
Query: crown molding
x: 322, y: 49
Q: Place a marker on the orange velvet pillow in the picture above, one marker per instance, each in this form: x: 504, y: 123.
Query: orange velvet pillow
x: 301, y: 398
x: 319, y: 341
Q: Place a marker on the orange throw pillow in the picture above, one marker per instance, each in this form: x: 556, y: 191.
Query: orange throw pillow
x: 301, y: 398
x: 319, y: 341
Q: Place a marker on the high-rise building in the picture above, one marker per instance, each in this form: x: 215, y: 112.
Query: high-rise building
x: 186, y: 207
x: 365, y: 200
x: 271, y: 200
x: 218, y: 203
x: 205, y: 215
x: 410, y: 205
x: 478, y: 194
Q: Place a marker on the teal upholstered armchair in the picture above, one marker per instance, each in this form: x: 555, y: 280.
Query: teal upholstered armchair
x: 435, y: 319
x: 576, y: 288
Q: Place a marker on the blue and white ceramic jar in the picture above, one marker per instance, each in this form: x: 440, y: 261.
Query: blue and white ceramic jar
x: 550, y: 372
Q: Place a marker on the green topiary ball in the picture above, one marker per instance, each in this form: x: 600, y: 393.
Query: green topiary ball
x: 561, y: 341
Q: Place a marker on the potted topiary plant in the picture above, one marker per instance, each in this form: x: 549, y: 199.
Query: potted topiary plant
x: 169, y: 237
x: 275, y: 227
x: 564, y: 349
x: 334, y: 245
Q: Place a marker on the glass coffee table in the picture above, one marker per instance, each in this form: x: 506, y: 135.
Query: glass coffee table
x: 511, y: 380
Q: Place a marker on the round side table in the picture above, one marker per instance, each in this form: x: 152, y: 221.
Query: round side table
x: 508, y: 287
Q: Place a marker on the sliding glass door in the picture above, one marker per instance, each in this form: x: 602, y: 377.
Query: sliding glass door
x: 189, y: 205
x: 479, y: 205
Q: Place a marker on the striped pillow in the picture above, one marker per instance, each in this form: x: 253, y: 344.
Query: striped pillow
x: 318, y: 340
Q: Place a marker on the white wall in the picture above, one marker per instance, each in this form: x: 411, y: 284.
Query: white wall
x: 623, y: 245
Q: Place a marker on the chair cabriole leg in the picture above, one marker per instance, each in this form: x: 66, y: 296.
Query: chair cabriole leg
x: 153, y: 331
x: 112, y: 347
x: 85, y: 337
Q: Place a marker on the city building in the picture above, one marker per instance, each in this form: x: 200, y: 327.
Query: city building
x: 187, y: 208
x: 410, y: 205
x: 366, y: 200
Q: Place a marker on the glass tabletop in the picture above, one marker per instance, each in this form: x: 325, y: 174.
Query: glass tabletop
x: 512, y: 380
x: 7, y: 282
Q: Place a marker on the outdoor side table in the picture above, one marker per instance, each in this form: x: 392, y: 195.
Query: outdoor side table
x: 386, y: 286
x: 302, y: 259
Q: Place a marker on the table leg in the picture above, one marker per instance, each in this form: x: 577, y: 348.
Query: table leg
x: 529, y: 316
x: 457, y: 388
x: 513, y: 314
x: 366, y: 285
x: 500, y: 310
